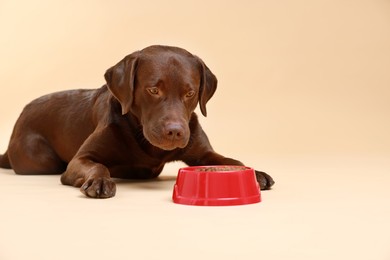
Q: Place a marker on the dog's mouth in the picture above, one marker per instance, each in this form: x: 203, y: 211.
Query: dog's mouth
x: 169, y: 147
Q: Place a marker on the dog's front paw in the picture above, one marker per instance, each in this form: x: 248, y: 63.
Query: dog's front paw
x: 265, y: 181
x: 99, y: 187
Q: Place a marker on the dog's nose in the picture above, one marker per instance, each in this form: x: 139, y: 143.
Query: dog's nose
x: 174, y: 131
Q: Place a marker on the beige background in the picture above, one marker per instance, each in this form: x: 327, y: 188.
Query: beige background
x: 304, y: 90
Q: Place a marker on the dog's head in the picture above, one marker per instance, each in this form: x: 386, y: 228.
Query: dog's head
x: 161, y: 86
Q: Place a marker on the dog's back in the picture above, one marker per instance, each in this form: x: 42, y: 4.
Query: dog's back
x: 61, y: 120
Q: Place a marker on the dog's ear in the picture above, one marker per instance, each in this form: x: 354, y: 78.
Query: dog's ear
x: 208, y: 86
x: 120, y: 80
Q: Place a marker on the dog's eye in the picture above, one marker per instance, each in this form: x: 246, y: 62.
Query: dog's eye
x: 153, y: 91
x: 190, y: 94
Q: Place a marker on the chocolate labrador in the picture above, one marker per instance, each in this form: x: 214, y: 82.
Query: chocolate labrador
x: 129, y: 128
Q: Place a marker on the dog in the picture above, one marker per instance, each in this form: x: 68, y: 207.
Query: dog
x: 142, y: 118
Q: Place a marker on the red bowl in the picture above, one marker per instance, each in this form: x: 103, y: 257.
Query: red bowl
x: 221, y: 185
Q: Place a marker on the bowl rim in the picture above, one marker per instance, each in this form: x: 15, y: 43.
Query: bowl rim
x: 238, y: 168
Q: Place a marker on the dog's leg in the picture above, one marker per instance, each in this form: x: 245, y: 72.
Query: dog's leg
x: 31, y: 154
x: 265, y: 181
x: 4, y: 161
x: 92, y: 178
x: 88, y: 171
x: 213, y: 158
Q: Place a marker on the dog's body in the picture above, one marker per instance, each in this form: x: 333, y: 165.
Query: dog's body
x: 129, y: 128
